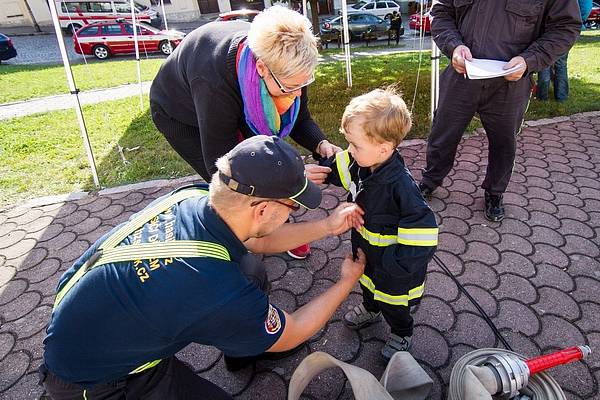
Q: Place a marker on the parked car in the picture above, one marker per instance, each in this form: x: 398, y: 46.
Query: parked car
x: 7, y: 49
x: 243, y: 15
x: 359, y: 25
x: 383, y: 9
x: 418, y: 22
x: 74, y: 14
x: 103, y: 39
x: 593, y: 20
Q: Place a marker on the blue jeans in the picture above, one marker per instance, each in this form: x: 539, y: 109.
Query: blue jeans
x: 561, y: 80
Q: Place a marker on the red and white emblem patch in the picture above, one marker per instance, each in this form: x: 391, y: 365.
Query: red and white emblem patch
x: 273, y: 322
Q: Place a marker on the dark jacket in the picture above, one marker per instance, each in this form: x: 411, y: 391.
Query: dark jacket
x: 399, y: 236
x: 538, y: 30
x: 197, y: 85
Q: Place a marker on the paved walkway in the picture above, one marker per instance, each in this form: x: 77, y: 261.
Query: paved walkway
x: 536, y: 273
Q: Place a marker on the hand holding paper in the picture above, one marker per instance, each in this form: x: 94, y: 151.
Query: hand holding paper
x: 486, y: 69
x: 514, y: 63
x: 460, y: 54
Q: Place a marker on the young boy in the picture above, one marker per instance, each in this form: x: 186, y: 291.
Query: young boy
x: 399, y: 236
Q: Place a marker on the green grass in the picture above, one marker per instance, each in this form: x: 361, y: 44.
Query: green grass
x: 28, y: 82
x: 43, y: 154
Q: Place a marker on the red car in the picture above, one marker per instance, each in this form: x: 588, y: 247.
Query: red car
x: 243, y: 15
x: 103, y: 39
x: 593, y: 20
x: 417, y: 22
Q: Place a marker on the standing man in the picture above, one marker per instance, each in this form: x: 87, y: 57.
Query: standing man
x: 396, y: 24
x: 179, y: 271
x: 529, y: 34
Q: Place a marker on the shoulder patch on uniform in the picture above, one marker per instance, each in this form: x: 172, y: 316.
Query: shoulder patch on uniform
x: 273, y: 322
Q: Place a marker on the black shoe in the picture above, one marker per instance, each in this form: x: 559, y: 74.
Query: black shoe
x: 426, y: 190
x: 494, y: 209
x: 233, y: 364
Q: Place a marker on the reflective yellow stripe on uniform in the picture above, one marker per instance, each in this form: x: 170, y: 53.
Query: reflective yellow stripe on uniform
x: 406, y: 236
x: 342, y: 161
x: 144, y: 367
x: 395, y: 300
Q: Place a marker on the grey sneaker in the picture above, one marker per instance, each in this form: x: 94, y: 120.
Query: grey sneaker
x: 359, y: 317
x: 395, y: 343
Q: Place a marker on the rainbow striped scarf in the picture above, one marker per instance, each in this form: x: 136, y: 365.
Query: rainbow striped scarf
x: 264, y: 114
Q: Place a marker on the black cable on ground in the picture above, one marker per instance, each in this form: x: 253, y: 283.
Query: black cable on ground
x: 486, y: 317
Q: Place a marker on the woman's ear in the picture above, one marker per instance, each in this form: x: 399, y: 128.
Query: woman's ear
x: 261, y: 68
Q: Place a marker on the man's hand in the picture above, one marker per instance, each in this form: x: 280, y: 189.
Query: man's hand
x: 515, y: 76
x: 316, y: 173
x: 326, y: 149
x: 353, y: 269
x: 344, y: 217
x: 460, y: 54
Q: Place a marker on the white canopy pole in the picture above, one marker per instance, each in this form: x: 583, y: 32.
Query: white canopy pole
x: 137, y: 53
x: 74, y: 92
x: 435, y: 77
x: 304, y: 8
x: 162, y: 6
x: 346, y: 39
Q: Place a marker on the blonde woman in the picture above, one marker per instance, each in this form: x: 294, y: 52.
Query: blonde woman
x: 230, y: 80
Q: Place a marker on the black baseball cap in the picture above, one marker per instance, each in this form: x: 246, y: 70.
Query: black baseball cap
x: 268, y: 167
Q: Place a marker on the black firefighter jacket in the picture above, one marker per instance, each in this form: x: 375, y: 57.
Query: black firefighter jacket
x: 400, y: 233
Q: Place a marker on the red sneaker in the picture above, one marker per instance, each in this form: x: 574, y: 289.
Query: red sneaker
x: 301, y: 252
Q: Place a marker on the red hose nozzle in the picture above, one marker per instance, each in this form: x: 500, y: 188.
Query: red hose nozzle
x: 560, y: 357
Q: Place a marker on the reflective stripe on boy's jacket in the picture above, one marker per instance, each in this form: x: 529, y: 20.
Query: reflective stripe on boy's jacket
x: 400, y: 233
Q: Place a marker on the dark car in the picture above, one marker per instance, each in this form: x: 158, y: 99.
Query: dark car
x: 7, y: 50
x: 240, y: 15
x: 359, y: 27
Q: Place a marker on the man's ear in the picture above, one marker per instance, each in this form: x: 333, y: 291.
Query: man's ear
x: 259, y: 211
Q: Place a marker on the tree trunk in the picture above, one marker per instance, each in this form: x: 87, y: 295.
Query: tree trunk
x: 314, y: 15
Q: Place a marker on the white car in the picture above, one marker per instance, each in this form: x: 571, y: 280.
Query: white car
x: 382, y: 9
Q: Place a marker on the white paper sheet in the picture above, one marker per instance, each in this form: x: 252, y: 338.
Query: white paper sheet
x: 485, y: 69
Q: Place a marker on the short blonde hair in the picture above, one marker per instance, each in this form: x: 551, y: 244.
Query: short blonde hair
x: 223, y: 198
x: 283, y: 39
x: 383, y: 113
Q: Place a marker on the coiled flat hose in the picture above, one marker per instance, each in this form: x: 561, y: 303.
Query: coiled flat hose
x: 541, y: 386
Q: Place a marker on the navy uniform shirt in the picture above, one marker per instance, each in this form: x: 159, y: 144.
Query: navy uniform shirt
x: 120, y: 316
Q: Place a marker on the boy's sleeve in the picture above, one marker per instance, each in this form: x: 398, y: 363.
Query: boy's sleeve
x: 340, y: 169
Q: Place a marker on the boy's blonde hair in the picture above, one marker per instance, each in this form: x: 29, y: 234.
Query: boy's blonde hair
x: 283, y: 39
x: 384, y: 115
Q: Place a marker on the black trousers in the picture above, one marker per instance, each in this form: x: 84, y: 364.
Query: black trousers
x: 398, y: 317
x: 185, y: 139
x: 501, y: 106
x: 171, y: 379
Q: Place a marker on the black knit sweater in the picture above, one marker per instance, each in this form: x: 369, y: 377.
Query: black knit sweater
x: 197, y: 85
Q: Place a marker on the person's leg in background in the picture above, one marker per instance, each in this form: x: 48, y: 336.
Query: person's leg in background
x: 502, y: 114
x: 561, y: 79
x: 457, y: 105
x: 184, y: 139
x: 543, y: 84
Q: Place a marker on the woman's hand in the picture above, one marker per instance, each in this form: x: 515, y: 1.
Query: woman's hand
x: 316, y: 173
x: 326, y: 149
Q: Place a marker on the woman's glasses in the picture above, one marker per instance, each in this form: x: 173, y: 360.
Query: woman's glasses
x: 285, y: 89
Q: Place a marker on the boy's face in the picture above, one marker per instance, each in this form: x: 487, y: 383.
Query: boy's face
x: 367, y: 152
